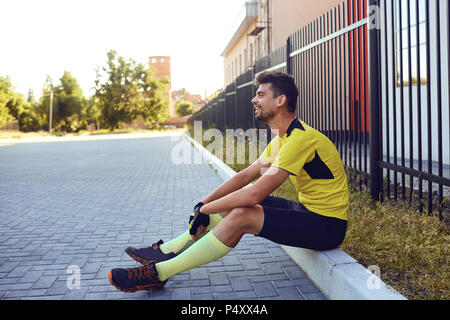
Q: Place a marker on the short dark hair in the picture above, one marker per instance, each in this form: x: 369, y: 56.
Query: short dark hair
x: 281, y: 84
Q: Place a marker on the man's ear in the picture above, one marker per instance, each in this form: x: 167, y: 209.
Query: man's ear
x: 281, y: 100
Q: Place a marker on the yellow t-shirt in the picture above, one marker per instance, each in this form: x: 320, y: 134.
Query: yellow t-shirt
x: 316, y: 168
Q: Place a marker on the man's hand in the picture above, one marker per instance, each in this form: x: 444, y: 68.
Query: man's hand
x: 198, y: 222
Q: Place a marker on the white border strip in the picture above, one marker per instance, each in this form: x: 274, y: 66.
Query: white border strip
x: 278, y: 66
x: 330, y: 37
x: 244, y: 85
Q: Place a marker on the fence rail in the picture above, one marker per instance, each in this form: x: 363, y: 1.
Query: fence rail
x: 373, y: 76
x: 12, y: 125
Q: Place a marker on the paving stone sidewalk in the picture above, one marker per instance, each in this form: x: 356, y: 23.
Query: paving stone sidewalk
x: 71, y: 208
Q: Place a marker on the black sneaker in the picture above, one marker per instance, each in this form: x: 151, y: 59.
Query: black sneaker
x: 150, y: 254
x: 134, y: 279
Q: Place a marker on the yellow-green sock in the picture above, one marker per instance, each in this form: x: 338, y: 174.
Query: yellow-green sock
x: 204, y: 251
x: 184, y: 241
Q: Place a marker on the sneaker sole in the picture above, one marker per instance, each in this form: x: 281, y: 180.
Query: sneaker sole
x: 149, y: 287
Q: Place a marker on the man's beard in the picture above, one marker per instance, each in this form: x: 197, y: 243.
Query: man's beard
x: 264, y: 116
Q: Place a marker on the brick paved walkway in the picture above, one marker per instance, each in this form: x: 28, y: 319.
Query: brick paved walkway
x: 79, y: 204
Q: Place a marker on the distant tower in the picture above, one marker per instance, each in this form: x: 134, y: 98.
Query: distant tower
x: 161, y: 67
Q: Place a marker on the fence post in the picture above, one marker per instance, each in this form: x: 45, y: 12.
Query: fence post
x: 235, y: 105
x: 376, y: 174
x: 253, y: 94
x: 288, y: 55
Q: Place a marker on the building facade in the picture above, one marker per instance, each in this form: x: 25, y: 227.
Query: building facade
x: 263, y: 26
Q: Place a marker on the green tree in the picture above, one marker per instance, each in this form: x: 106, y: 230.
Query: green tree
x: 68, y: 103
x: 91, y: 113
x: 184, y: 108
x: 14, y: 106
x: 5, y: 114
x: 30, y: 120
x: 127, y: 91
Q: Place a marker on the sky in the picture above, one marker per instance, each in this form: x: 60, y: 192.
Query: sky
x: 48, y: 37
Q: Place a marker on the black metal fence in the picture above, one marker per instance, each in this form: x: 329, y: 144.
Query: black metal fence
x: 374, y: 77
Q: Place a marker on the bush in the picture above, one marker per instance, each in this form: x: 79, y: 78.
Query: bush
x: 184, y: 108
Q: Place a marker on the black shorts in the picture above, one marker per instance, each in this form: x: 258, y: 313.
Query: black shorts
x: 290, y: 223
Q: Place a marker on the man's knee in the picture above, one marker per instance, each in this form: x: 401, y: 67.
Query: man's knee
x: 244, y: 219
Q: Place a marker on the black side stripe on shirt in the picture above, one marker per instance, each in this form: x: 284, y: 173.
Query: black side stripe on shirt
x: 317, y: 169
x: 294, y: 124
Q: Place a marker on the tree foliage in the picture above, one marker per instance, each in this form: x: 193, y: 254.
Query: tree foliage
x: 184, y: 108
x: 127, y: 91
x: 91, y: 113
x: 5, y: 115
x: 68, y: 103
x: 14, y: 106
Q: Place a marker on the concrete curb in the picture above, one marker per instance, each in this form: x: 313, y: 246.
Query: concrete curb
x: 106, y: 136
x: 335, y: 273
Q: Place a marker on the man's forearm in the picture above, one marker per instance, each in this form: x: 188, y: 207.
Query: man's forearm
x: 240, y: 198
x: 237, y: 182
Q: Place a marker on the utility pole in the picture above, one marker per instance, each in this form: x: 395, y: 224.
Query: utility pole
x: 50, y: 116
x: 51, y: 112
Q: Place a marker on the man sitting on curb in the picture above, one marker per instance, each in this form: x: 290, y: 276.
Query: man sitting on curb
x: 318, y: 221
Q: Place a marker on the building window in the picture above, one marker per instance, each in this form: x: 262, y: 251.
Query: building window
x: 403, y: 47
x: 245, y: 59
x: 258, y: 47
x: 240, y: 63
x: 232, y: 69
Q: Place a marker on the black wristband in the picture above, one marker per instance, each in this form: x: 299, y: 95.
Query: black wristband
x: 198, y: 206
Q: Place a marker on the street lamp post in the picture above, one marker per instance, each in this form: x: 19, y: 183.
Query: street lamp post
x: 50, y: 116
x: 51, y: 112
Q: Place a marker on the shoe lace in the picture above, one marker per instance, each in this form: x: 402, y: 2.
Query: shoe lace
x: 154, y: 246
x: 142, y: 273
